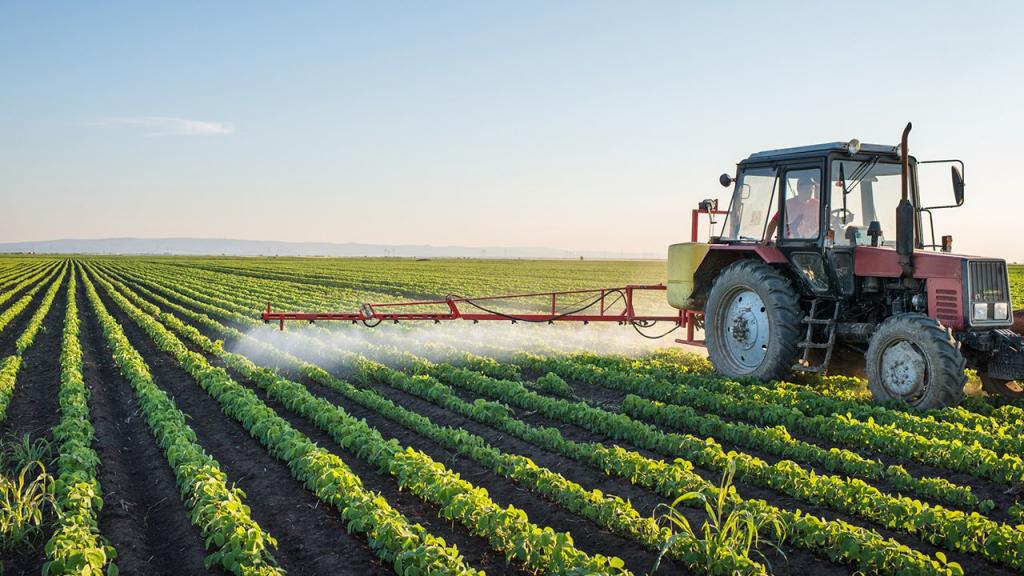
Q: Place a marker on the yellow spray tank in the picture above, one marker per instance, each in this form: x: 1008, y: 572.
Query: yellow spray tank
x: 683, y: 260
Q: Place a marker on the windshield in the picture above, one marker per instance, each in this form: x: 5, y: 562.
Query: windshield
x: 873, y: 190
x: 751, y: 204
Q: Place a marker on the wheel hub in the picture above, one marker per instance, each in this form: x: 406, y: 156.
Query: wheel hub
x: 746, y: 321
x: 904, y: 369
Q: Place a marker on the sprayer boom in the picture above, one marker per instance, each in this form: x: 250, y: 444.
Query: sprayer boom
x: 604, y: 305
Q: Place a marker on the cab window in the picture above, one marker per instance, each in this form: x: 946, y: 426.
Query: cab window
x: 803, y: 204
x: 751, y: 204
x: 872, y: 192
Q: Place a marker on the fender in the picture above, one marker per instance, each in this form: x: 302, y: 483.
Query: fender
x: 720, y: 256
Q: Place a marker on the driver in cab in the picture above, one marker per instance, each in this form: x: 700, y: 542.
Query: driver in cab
x: 802, y: 211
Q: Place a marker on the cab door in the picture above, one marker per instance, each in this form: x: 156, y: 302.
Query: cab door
x: 803, y: 220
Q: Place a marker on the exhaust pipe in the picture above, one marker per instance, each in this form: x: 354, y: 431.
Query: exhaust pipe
x: 905, y: 213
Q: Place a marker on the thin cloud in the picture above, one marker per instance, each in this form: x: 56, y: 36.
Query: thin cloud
x: 168, y: 126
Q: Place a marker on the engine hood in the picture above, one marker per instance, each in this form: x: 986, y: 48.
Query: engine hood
x: 883, y: 263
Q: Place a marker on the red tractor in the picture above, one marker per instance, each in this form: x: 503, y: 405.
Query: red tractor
x: 822, y: 253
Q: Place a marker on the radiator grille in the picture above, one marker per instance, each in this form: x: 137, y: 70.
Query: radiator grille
x: 947, y: 307
x: 988, y: 281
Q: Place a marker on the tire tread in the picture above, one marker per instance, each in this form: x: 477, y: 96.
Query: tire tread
x: 778, y: 294
x: 947, y: 386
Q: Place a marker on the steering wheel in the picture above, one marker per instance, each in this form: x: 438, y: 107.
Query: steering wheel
x: 839, y: 219
x: 842, y: 215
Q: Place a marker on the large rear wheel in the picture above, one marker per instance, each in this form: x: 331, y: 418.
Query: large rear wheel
x: 913, y: 359
x: 752, y: 322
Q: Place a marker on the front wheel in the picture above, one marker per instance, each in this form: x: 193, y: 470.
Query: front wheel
x: 913, y: 359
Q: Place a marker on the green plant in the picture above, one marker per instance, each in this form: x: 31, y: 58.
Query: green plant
x: 21, y: 505
x: 728, y: 532
x: 554, y: 384
x: 17, y: 452
x: 1016, y: 511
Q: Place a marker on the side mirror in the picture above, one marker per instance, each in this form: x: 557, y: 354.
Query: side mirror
x: 958, y: 186
x: 725, y: 180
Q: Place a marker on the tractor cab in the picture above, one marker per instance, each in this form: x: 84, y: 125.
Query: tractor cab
x: 824, y: 195
x: 817, y: 204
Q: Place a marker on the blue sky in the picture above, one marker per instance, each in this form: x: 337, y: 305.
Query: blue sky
x: 579, y: 125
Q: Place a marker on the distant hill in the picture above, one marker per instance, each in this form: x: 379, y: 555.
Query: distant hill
x: 229, y: 247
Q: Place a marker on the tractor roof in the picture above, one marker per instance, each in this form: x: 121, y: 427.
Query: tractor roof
x: 819, y: 150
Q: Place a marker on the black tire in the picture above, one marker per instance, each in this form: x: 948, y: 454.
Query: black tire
x: 781, y: 308
x: 924, y: 368
x: 1012, y: 389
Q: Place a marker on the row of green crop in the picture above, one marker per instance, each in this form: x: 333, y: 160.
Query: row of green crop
x: 340, y: 294
x: 17, y: 274
x: 837, y: 540
x: 437, y: 277
x: 988, y: 419
x: 229, y: 304
x: 746, y: 402
x: 38, y: 277
x: 950, y: 529
x: 847, y: 462
x: 240, y: 545
x: 406, y: 546
x: 774, y: 440
x: 76, y: 546
x: 12, y: 364
x: 507, y: 529
x: 606, y: 510
x: 40, y: 281
x: 863, y: 547
x: 980, y: 416
x: 976, y: 429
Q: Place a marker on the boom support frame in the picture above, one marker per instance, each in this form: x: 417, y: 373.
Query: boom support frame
x: 606, y: 302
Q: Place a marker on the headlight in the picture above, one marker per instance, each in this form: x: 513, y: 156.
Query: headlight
x: 981, y: 310
x: 1002, y: 310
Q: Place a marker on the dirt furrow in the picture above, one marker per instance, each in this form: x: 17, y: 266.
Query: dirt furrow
x: 143, y: 515
x: 312, y: 537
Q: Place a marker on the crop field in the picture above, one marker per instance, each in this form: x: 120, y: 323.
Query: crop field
x: 152, y: 424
